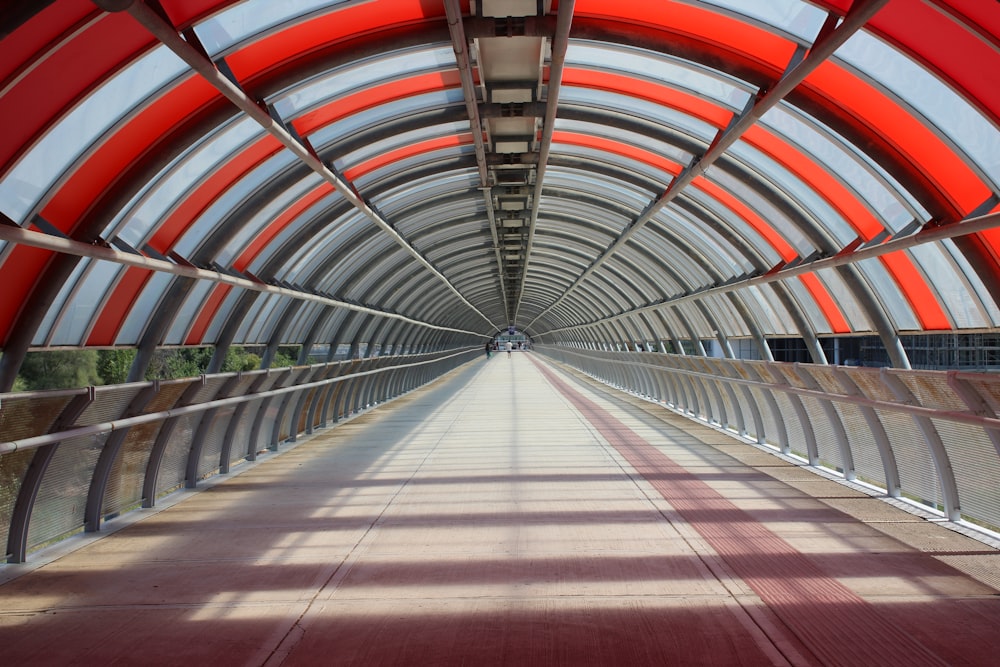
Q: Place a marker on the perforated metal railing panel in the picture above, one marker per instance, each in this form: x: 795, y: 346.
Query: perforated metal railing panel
x: 938, y: 432
x: 976, y: 465
x: 63, y: 492
x: 26, y: 416
x: 868, y: 464
x: 13, y: 467
x: 124, y: 487
x: 102, y: 451
x: 214, y: 428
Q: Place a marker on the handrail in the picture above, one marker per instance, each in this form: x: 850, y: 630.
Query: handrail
x: 37, y: 441
x: 932, y: 436
x: 917, y: 410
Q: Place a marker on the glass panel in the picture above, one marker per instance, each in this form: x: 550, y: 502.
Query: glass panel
x: 672, y: 327
x: 953, y: 292
x: 697, y: 321
x: 259, y: 222
x: 325, y: 244
x: 677, y: 258
x: 757, y: 200
x: 252, y: 17
x: 821, y: 214
x: 46, y: 162
x: 347, y: 127
x: 790, y: 16
x: 191, y: 309
x: 380, y: 275
x: 143, y: 309
x: 264, y: 304
x: 328, y: 332
x: 344, y: 80
x: 345, y: 270
x: 889, y: 294
x: 624, y: 297
x: 644, y: 282
x: 464, y: 217
x: 808, y: 307
x: 592, y: 293
x: 205, y: 225
x: 290, y: 270
x: 675, y: 72
x: 265, y: 326
x: 772, y: 317
x: 575, y: 250
x: 660, y: 285
x: 732, y: 325
x: 659, y: 177
x: 597, y: 216
x: 986, y: 298
x: 883, y: 194
x: 615, y: 104
x: 57, y: 307
x: 956, y: 118
x: 304, y: 321
x: 401, y: 140
x: 143, y: 191
x: 222, y: 315
x: 83, y: 308
x: 644, y: 142
x: 427, y: 188
x: 764, y: 253
x: 626, y: 195
x: 445, y: 237
x: 712, y: 247
x: 845, y: 300
x: 140, y: 223
x: 372, y: 180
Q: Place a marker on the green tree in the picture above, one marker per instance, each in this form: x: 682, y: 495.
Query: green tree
x: 237, y: 359
x: 287, y: 355
x: 114, y: 365
x: 176, y: 363
x: 60, y: 369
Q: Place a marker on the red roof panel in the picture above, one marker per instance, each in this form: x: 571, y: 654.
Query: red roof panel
x: 918, y: 292
x: 379, y: 161
x: 261, y: 240
x: 220, y: 180
x: 61, y: 79
x: 18, y: 275
x: 196, y: 336
x: 112, y: 160
x: 825, y: 302
x: 854, y: 212
x: 117, y: 307
x: 913, y: 140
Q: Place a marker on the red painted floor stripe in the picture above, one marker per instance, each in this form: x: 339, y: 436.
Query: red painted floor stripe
x: 840, y: 627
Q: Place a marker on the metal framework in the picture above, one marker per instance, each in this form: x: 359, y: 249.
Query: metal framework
x: 708, y: 176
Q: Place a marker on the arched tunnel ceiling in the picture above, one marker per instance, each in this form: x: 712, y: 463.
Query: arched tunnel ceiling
x: 198, y: 172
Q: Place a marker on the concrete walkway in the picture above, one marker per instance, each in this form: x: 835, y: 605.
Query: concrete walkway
x: 515, y: 514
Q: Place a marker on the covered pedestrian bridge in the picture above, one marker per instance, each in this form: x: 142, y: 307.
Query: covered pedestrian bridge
x: 752, y: 248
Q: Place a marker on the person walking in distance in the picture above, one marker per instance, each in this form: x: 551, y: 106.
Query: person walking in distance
x: 510, y: 346
x: 489, y: 349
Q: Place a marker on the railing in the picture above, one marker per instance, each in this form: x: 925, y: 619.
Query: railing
x: 929, y: 436
x: 72, y: 459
